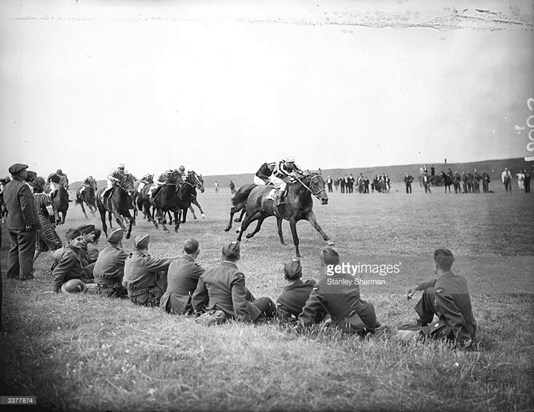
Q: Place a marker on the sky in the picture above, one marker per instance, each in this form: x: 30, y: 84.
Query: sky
x: 221, y: 87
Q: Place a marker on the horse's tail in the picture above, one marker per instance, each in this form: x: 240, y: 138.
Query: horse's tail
x: 241, y: 195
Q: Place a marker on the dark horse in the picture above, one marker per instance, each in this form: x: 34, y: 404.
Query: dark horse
x: 173, y: 197
x: 298, y: 206
x: 198, y: 184
x: 88, y: 197
x: 117, y: 204
x: 60, y: 201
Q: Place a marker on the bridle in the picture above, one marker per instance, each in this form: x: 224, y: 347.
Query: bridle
x: 316, y: 194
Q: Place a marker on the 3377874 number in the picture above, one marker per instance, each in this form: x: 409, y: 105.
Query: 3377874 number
x: 18, y: 400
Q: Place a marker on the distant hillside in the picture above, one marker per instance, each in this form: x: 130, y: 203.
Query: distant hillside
x: 396, y: 173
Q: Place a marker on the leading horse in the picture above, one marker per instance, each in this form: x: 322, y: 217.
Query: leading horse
x: 117, y: 204
x: 298, y: 206
x: 60, y: 202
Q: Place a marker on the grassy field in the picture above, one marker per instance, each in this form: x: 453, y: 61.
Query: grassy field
x: 89, y: 353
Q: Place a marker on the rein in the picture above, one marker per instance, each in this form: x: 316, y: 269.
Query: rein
x: 308, y: 188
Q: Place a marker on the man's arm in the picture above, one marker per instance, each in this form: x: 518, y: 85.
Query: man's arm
x: 68, y: 260
x: 421, y: 286
x: 310, y: 309
x: 27, y: 206
x: 157, y: 264
x: 239, y: 297
x: 200, y: 298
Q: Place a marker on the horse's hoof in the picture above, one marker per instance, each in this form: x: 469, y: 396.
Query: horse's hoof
x: 127, y: 236
x: 203, y: 216
x: 330, y: 243
x: 249, y: 235
x: 238, y: 230
x: 227, y: 228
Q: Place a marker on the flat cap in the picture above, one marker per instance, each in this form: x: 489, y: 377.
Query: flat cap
x: 141, y: 241
x: 73, y: 234
x: 232, y: 250
x: 293, y: 269
x: 116, y: 236
x: 85, y: 229
x: 17, y: 168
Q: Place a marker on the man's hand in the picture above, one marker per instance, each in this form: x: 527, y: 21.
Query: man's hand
x: 412, y: 291
x: 28, y: 228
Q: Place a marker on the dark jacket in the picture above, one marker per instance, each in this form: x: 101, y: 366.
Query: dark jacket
x: 290, y: 303
x: 110, y: 265
x: 182, y: 280
x: 140, y: 270
x: 69, y: 267
x: 223, y: 287
x: 20, y: 206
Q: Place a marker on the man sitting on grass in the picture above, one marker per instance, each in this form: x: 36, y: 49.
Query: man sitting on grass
x: 182, y: 280
x: 290, y: 303
x: 145, y: 277
x: 71, y: 264
x: 448, y: 298
x: 222, y: 289
x: 339, y: 294
x: 109, y: 267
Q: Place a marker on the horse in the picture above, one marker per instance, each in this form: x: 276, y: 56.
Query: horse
x: 239, y: 204
x: 86, y: 196
x: 117, y: 204
x: 60, y: 202
x: 173, y: 197
x: 200, y: 186
x: 298, y: 206
x: 143, y: 202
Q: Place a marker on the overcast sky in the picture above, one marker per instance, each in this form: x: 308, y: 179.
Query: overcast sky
x: 222, y: 88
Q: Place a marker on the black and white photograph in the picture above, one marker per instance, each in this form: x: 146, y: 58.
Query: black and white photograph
x: 292, y: 205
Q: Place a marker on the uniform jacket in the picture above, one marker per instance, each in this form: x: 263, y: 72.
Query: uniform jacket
x: 69, y: 267
x: 110, y: 264
x: 182, y: 280
x: 293, y: 298
x: 453, y: 302
x: 140, y: 270
x: 223, y: 287
x: 20, y: 205
x: 339, y: 295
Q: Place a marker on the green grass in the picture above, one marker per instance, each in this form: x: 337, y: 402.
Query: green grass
x: 90, y: 353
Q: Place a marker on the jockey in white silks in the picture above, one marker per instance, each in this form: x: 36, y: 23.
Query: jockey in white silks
x: 115, y: 176
x: 283, y: 171
x: 162, y: 179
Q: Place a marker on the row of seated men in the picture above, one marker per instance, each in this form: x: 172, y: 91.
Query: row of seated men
x: 179, y: 285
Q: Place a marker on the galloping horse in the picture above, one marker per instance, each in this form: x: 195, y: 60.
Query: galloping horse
x: 117, y: 204
x: 87, y: 197
x: 298, y: 206
x: 174, y: 197
x: 60, y: 202
x: 200, y: 186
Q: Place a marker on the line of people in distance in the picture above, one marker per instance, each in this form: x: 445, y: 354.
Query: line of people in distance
x: 180, y: 286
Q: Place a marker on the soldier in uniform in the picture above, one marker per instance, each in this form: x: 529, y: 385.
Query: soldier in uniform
x: 145, y: 277
x: 89, y: 251
x: 222, y: 288
x: 339, y: 294
x: 182, y: 280
x: 71, y: 264
x: 290, y: 303
x: 22, y: 224
x: 264, y: 173
x: 108, y: 271
x: 448, y: 298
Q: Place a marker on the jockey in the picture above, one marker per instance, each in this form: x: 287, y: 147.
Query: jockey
x: 88, y: 182
x: 264, y: 173
x: 57, y: 179
x: 114, y: 177
x: 181, y: 169
x: 283, y: 172
x: 145, y: 180
x: 163, y: 179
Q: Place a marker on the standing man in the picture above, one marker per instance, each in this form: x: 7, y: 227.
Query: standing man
x: 339, y: 294
x: 182, y: 280
x: 408, y: 179
x: 448, y: 298
x: 145, y: 277
x: 222, y: 289
x: 506, y: 177
x: 108, y: 271
x: 329, y: 182
x: 22, y: 224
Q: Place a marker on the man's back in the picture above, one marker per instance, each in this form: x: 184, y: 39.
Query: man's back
x: 183, y: 274
x: 20, y: 206
x: 110, y: 264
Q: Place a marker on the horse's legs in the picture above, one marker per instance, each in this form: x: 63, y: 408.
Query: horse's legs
x: 195, y: 202
x: 63, y: 217
x: 83, y: 209
x: 279, y: 221
x: 177, y: 219
x: 258, y: 226
x: 248, y: 220
x: 313, y: 220
x: 293, y: 226
x: 233, y: 211
x: 243, y: 211
x: 132, y: 221
x: 184, y: 211
x: 193, y: 212
x: 103, y: 218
